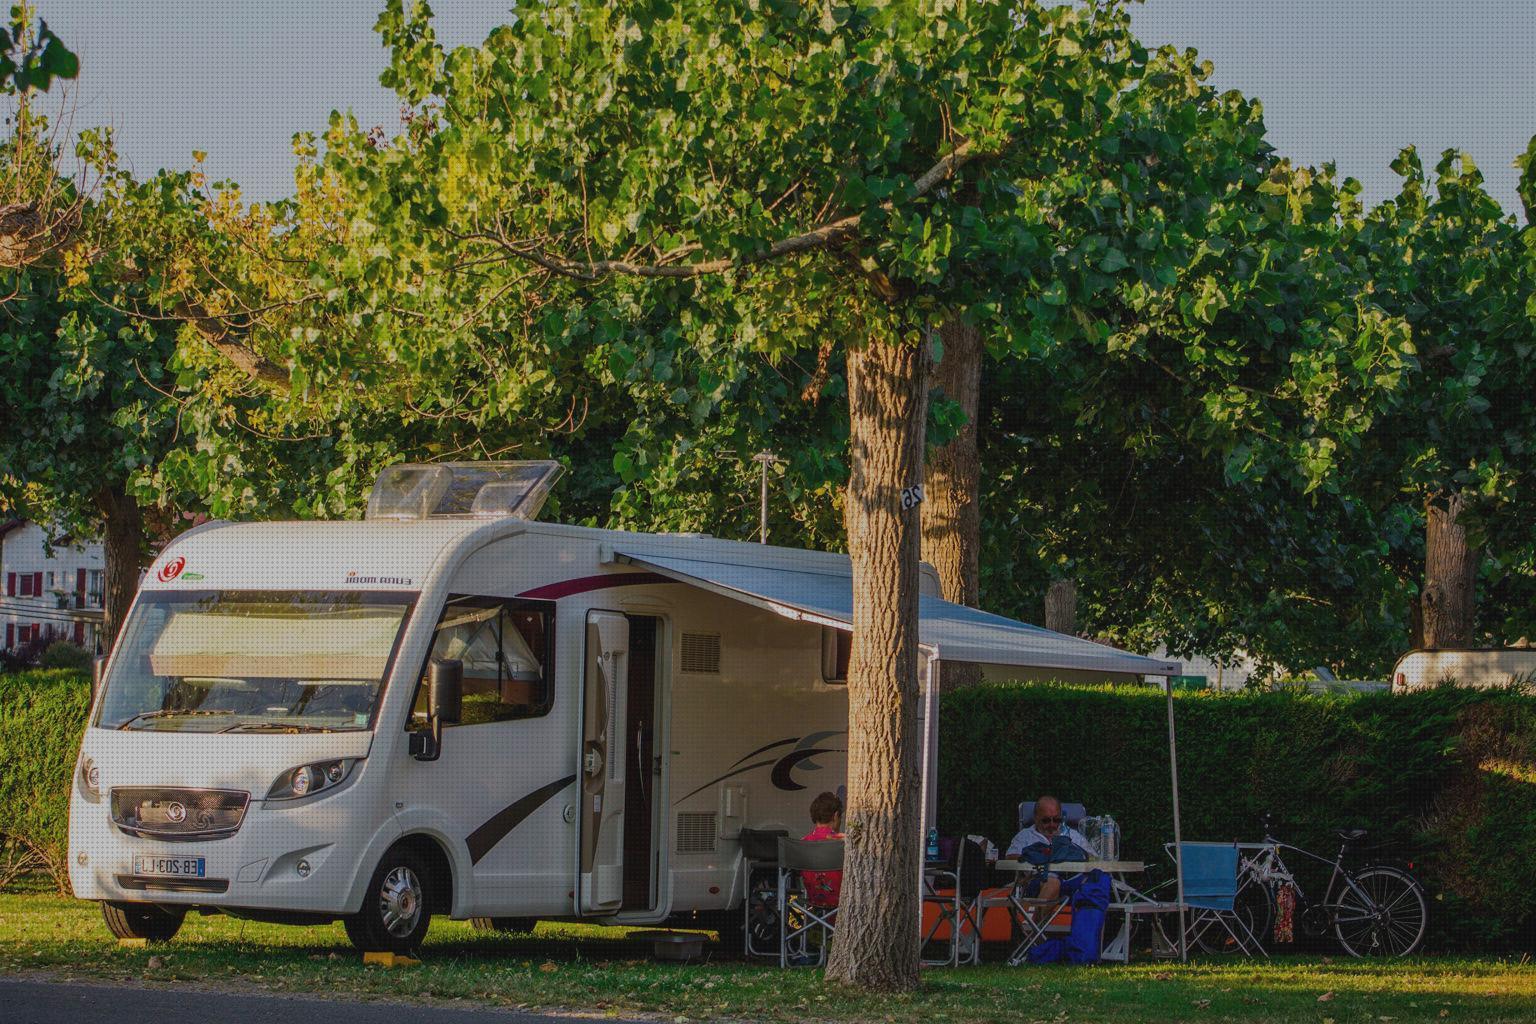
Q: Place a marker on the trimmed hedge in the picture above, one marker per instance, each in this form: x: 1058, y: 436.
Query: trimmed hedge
x: 1444, y: 779
x: 42, y: 717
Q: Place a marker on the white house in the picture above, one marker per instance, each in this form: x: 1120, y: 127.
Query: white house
x: 49, y: 591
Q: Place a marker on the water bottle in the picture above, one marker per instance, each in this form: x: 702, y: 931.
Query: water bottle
x: 1109, y: 838
x: 1093, y: 831
x: 933, y: 844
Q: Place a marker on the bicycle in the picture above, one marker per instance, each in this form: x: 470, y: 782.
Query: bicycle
x: 1377, y: 910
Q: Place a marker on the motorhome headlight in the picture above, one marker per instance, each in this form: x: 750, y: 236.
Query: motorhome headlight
x: 90, y: 778
x: 308, y: 779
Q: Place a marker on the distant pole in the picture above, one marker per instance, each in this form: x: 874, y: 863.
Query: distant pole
x: 764, y: 458
x: 1178, y: 830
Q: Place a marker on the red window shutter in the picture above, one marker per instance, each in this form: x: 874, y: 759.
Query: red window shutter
x: 79, y: 633
x: 10, y: 584
x: 37, y: 584
x: 37, y: 631
x: 79, y: 588
x: 10, y: 634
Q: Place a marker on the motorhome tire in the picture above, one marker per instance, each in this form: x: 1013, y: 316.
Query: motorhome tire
x: 143, y: 920
x: 509, y: 925
x: 395, y: 915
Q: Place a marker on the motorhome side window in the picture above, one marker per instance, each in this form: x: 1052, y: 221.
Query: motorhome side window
x: 836, y: 649
x: 505, y: 646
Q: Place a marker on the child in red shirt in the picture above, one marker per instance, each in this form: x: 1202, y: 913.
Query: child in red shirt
x: 824, y: 887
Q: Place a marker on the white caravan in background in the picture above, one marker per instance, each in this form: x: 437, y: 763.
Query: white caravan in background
x: 1471, y: 666
x: 450, y: 708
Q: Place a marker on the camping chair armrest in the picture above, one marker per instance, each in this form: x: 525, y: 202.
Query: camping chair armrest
x: 942, y: 877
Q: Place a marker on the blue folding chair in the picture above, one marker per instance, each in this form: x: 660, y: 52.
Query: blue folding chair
x: 1210, y: 891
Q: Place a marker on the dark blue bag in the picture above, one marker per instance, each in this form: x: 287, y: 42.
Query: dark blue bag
x: 1090, y: 902
x: 1090, y: 895
x: 1060, y: 850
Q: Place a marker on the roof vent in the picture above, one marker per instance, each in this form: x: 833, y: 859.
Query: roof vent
x: 701, y: 653
x: 470, y: 490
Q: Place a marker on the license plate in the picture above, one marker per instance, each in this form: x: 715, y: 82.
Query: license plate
x: 171, y: 867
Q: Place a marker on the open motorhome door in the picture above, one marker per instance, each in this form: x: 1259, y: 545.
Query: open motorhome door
x: 603, y: 762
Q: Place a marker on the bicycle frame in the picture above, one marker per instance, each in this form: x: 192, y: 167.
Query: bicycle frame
x: 1268, y: 869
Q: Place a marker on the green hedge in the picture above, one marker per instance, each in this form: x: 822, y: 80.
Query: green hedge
x: 1444, y: 779
x: 42, y: 716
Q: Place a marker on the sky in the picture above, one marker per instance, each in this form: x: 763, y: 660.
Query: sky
x: 1347, y: 81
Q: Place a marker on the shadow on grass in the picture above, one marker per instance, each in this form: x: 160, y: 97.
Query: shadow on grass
x: 590, y: 969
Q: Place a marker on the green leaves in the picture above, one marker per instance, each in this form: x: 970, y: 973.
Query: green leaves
x: 31, y: 58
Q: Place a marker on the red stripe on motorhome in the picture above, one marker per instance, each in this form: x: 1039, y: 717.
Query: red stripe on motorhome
x: 586, y: 584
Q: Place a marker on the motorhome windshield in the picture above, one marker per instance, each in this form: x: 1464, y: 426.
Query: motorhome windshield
x: 253, y: 661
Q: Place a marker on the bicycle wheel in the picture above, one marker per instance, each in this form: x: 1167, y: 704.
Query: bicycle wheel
x: 1383, y: 914
x: 1254, y: 910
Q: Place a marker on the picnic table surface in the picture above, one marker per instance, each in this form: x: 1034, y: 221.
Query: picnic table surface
x: 1076, y: 867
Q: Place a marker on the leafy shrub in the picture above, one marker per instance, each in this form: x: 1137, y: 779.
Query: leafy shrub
x: 1444, y: 779
x: 63, y: 654
x: 42, y: 717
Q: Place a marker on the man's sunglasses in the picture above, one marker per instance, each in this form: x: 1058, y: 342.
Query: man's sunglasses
x: 1049, y: 821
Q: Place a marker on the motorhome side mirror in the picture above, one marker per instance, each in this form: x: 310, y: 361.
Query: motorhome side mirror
x: 445, y: 690
x: 98, y: 673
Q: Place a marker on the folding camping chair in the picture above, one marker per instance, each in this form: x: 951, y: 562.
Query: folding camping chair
x: 1034, y: 919
x: 955, y: 890
x: 1210, y: 890
x: 760, y: 917
x: 799, y: 918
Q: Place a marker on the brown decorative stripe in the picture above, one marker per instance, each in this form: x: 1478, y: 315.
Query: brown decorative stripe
x: 482, y: 839
x: 585, y: 584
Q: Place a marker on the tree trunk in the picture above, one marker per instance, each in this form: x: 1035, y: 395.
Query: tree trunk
x: 951, y: 507
x: 951, y: 488
x: 124, y: 548
x: 877, y: 928
x: 1061, y: 607
x: 1450, y: 575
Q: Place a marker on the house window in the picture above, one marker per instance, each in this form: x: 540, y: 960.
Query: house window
x: 507, y: 649
x: 26, y: 584
x: 95, y: 584
x: 836, y: 649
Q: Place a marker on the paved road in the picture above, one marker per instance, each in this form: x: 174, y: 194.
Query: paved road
x: 50, y: 1002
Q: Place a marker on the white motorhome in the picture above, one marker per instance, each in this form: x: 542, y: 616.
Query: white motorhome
x: 1475, y: 667
x: 451, y: 708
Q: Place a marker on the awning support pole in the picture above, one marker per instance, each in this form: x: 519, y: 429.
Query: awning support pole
x: 1178, y: 830
x: 930, y: 813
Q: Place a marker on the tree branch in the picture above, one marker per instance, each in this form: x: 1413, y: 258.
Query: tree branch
x: 822, y: 237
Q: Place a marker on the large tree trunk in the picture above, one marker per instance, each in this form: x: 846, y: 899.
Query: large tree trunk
x: 1061, y: 607
x: 1450, y: 574
x: 877, y: 927
x: 124, y: 548
x: 952, y: 485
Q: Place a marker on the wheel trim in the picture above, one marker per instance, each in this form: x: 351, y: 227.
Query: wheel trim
x: 400, y: 901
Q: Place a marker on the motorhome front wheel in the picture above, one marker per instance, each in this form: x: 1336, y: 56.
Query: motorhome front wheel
x: 143, y: 920
x: 395, y: 916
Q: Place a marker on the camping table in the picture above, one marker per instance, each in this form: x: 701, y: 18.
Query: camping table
x: 1125, y: 899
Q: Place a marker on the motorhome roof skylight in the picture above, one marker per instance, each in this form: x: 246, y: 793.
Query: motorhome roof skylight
x: 480, y: 490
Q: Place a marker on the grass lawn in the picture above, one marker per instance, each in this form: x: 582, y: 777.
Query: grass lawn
x: 589, y: 970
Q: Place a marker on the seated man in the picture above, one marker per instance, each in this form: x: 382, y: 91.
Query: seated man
x: 1051, y: 835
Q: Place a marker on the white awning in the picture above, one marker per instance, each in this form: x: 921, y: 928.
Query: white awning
x: 948, y: 632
